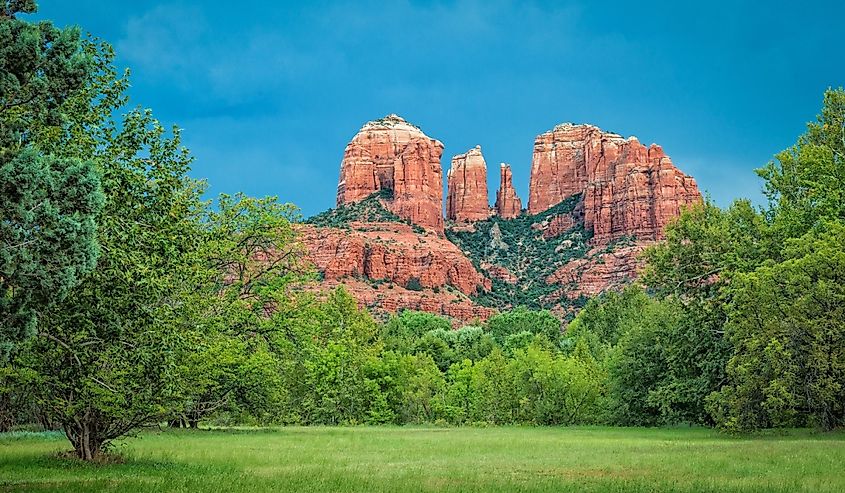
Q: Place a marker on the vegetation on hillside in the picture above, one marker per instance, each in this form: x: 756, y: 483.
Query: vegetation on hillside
x: 518, y: 245
x: 370, y: 209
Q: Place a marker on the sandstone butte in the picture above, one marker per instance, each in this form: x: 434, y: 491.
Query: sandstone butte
x: 508, y: 205
x: 466, y: 197
x: 627, y: 190
x: 391, y: 154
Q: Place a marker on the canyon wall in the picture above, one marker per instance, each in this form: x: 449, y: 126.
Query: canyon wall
x: 628, y: 189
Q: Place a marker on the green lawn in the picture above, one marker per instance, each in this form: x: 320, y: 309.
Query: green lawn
x: 435, y: 459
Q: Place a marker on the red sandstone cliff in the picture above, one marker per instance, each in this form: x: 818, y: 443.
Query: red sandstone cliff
x: 508, y: 205
x: 629, y: 189
x: 380, y: 263
x: 466, y: 197
x: 393, y: 154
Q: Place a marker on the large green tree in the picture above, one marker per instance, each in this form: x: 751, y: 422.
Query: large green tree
x: 787, y: 323
x: 785, y: 315
x: 47, y: 226
x: 107, y: 357
x: 254, y: 267
x: 108, y: 360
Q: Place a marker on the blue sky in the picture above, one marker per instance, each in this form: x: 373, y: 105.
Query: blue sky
x: 269, y: 94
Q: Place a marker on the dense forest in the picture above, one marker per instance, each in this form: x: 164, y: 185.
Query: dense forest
x: 129, y: 300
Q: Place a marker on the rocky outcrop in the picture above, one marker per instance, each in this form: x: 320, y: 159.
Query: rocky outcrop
x: 392, y: 154
x: 588, y: 189
x: 466, y: 197
x: 559, y: 165
x: 388, y: 298
x: 508, y: 205
x: 637, y: 193
x: 628, y: 189
x: 599, y: 271
x: 391, y: 252
x: 389, y: 266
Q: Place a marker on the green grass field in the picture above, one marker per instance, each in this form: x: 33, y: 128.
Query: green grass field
x: 435, y: 459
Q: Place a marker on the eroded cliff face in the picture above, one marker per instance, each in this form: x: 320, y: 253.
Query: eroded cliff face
x: 388, y: 266
x: 508, y: 204
x: 466, y: 197
x: 628, y: 189
x: 392, y: 154
x: 636, y: 194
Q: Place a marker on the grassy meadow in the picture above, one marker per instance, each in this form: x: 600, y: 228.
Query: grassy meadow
x: 434, y: 459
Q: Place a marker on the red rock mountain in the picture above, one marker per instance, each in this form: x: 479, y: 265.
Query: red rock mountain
x: 629, y: 189
x: 596, y: 200
x: 391, y: 154
x: 466, y: 197
x: 508, y: 205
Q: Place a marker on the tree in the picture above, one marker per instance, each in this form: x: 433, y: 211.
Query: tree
x: 447, y: 346
x: 254, y: 263
x: 107, y: 359
x: 704, y: 249
x: 402, y: 331
x: 804, y: 184
x: 610, y: 316
x: 787, y: 322
x: 339, y: 356
x: 521, y: 319
x: 47, y: 228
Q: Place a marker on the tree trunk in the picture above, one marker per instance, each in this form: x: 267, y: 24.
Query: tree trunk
x: 84, y: 436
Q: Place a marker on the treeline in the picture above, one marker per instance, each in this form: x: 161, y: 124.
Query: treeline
x: 126, y: 300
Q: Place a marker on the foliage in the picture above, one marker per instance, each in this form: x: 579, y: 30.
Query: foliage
x: 47, y: 228
x: 413, y: 284
x: 402, y: 330
x: 253, y: 261
x: 518, y: 245
x: 505, y: 324
x: 369, y: 209
x: 787, y: 322
x: 804, y: 184
x: 107, y: 355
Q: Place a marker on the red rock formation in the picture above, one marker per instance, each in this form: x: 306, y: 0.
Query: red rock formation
x: 508, y: 205
x: 559, y: 165
x: 629, y: 189
x: 393, y: 154
x: 466, y: 198
x: 499, y: 272
x: 556, y: 225
x: 391, y: 252
x: 377, y: 261
x: 637, y: 194
x: 598, y: 272
x: 390, y: 298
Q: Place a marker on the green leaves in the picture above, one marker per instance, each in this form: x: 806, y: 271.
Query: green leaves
x: 47, y: 217
x: 786, y: 322
x: 805, y: 183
